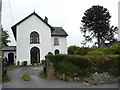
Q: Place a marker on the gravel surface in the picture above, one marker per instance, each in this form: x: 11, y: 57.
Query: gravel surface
x: 37, y: 82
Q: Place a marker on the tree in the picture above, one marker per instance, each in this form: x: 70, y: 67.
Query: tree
x: 5, y: 37
x: 96, y: 24
x: 71, y: 49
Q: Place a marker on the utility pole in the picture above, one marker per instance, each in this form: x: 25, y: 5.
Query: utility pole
x: 0, y: 24
x: 119, y: 21
x: 0, y: 42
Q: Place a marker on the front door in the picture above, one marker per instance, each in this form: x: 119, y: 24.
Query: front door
x: 10, y: 58
x: 35, y: 55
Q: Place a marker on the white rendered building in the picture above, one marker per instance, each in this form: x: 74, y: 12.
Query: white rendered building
x: 34, y: 39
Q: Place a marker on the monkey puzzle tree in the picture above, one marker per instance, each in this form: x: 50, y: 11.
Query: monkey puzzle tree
x: 96, y: 24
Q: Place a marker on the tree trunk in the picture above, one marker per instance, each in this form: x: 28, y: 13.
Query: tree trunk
x: 98, y: 41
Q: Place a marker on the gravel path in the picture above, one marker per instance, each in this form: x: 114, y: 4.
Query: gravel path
x: 37, y: 82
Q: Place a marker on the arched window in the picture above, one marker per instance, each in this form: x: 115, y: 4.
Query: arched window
x: 56, y: 41
x: 34, y: 37
x: 57, y: 51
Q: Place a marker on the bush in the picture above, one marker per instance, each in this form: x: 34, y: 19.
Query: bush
x: 24, y: 63
x: 113, y: 50
x: 42, y: 74
x: 68, y: 69
x: 115, y: 65
x: 6, y: 78
x: 43, y: 61
x: 102, y: 63
x: 26, y: 77
x: 83, y: 50
x: 70, y: 64
x: 94, y: 53
x: 49, y: 54
x: 83, y: 66
x: 72, y: 49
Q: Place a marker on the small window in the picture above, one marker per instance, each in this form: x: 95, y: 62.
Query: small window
x: 57, y: 51
x: 34, y: 37
x: 56, y: 41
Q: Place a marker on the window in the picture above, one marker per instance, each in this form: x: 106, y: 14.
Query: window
x: 57, y: 51
x: 34, y: 37
x: 56, y: 41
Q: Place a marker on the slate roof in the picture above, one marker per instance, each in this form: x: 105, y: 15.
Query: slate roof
x: 58, y: 31
x: 9, y: 48
x: 55, y: 31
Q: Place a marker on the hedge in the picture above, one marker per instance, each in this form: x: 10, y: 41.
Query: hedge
x: 72, y: 65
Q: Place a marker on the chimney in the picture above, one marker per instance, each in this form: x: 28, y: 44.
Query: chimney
x: 46, y: 19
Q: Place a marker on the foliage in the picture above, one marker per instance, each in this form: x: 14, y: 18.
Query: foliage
x: 71, y: 49
x: 96, y: 24
x: 49, y: 54
x: 83, y: 50
x: 115, y: 50
x: 94, y: 53
x: 24, y: 63
x: 115, y: 65
x: 71, y: 65
x: 6, y: 78
x: 82, y: 66
x: 25, y: 77
x: 5, y: 37
x: 42, y: 61
x: 68, y: 69
x: 42, y: 74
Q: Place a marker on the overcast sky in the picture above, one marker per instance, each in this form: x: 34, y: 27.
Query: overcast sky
x: 65, y: 13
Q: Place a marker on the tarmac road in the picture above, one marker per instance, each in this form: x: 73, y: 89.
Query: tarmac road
x: 37, y: 82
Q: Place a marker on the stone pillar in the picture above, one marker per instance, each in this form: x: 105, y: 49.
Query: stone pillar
x: 49, y: 69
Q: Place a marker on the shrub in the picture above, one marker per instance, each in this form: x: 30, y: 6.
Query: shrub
x: 70, y: 64
x: 82, y: 66
x: 110, y: 64
x: 83, y: 50
x: 102, y: 63
x: 26, y: 77
x: 68, y: 69
x: 49, y: 54
x: 42, y: 74
x: 94, y: 53
x: 113, y: 50
x: 115, y: 65
x: 6, y: 78
x: 71, y: 49
x: 24, y: 63
x: 81, y: 61
x: 42, y: 61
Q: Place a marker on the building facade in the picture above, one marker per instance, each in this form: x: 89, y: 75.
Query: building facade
x: 35, y: 38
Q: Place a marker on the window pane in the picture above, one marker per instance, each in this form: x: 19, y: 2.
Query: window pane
x: 34, y: 37
x: 56, y: 41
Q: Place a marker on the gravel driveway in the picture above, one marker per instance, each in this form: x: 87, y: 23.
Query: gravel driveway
x: 37, y: 82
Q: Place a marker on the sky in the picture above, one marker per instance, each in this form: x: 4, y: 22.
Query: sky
x: 65, y: 13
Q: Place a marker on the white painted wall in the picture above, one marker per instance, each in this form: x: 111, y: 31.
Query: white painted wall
x: 62, y: 47
x: 23, y: 38
x: 119, y: 21
x: 46, y: 44
x: 5, y: 54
